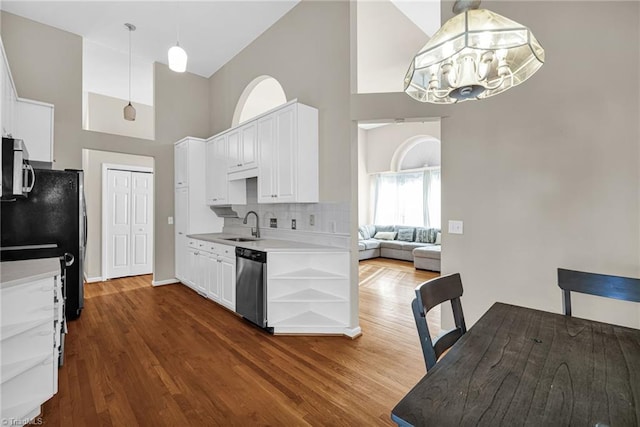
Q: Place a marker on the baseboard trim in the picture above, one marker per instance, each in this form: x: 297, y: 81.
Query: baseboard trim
x: 93, y: 279
x: 164, y: 282
x: 353, y: 332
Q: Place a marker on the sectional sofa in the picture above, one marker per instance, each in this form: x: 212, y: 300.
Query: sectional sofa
x: 418, y: 244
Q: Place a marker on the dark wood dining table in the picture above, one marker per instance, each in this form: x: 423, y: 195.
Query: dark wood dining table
x: 518, y: 366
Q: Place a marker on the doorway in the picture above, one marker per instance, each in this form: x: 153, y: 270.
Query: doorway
x: 127, y: 212
x: 93, y: 162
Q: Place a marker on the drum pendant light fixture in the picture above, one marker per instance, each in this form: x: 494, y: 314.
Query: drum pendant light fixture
x: 474, y: 55
x: 129, y: 111
x: 177, y: 56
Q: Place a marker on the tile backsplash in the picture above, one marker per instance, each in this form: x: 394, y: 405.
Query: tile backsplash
x: 328, y: 217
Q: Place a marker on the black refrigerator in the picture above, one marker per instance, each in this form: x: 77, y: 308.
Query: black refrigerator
x: 50, y: 221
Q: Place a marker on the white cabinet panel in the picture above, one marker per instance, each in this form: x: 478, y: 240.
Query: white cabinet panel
x: 213, y: 277
x: 228, y: 282
x: 34, y: 125
x: 181, y: 168
x: 288, y: 155
x: 181, y: 216
x: 241, y: 145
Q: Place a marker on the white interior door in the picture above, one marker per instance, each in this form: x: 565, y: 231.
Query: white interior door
x: 128, y: 232
x: 118, y: 238
x: 141, y: 223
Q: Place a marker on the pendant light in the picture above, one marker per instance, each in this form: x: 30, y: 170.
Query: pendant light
x: 129, y: 111
x: 474, y: 55
x: 177, y: 56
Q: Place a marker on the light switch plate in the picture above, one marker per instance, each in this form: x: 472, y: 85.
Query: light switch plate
x: 455, y: 227
x: 170, y: 220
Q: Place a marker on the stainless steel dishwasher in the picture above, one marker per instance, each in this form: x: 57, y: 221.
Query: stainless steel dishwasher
x: 251, y: 281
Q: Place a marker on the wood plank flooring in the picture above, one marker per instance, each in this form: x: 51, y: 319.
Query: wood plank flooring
x: 165, y: 356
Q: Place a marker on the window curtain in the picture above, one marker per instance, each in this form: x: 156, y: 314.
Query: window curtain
x: 432, y: 198
x: 408, y: 198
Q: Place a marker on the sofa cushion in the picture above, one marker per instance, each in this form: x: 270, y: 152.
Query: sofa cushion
x: 409, y: 246
x: 406, y: 234
x: 361, y: 246
x: 431, y: 251
x: 391, y: 244
x: 370, y: 244
x: 385, y: 228
x: 385, y: 235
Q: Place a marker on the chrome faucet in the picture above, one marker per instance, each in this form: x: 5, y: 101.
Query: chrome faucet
x: 254, y: 232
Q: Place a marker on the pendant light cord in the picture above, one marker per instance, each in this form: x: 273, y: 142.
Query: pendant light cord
x: 178, y: 23
x: 129, y: 65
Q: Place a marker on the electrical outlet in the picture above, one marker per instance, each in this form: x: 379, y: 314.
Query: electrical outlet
x: 293, y: 224
x: 312, y: 219
x: 170, y: 220
x: 273, y: 222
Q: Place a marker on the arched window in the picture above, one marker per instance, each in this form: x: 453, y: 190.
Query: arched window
x: 262, y: 94
x: 416, y: 152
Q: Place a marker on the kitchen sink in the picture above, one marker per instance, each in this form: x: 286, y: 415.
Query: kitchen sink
x: 240, y: 239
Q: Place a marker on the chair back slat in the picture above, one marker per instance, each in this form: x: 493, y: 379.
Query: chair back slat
x: 617, y: 287
x: 431, y: 294
x: 436, y: 291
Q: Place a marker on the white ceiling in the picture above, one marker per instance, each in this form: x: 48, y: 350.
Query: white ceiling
x: 212, y: 32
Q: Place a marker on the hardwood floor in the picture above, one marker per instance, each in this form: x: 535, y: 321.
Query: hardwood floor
x: 165, y: 356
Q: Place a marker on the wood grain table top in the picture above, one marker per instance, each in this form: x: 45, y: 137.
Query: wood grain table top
x: 518, y: 366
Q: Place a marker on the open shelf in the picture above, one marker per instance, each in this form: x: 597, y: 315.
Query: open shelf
x: 308, y: 273
x: 308, y: 319
x: 309, y: 295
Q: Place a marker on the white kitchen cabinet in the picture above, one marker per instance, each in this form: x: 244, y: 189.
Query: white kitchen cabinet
x: 288, y: 155
x: 214, y: 271
x: 213, y: 277
x: 221, y: 191
x: 31, y: 334
x: 309, y: 292
x: 242, y: 153
x: 227, y: 273
x: 192, y: 215
x: 34, y: 125
x: 9, y: 97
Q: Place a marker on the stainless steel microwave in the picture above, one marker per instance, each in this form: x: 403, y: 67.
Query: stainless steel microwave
x: 18, y: 177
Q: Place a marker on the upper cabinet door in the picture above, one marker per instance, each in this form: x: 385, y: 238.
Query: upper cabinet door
x: 181, y: 173
x: 266, y: 158
x: 234, y: 150
x: 249, y: 153
x: 286, y: 152
x: 217, y: 183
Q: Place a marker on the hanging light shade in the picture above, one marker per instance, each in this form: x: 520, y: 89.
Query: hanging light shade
x: 129, y: 110
x: 474, y: 55
x: 177, y: 59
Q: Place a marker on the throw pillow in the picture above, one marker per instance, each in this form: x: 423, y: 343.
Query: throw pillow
x: 385, y: 235
x: 405, y: 234
x: 422, y: 235
x: 360, y: 236
x: 365, y: 233
x: 438, y: 239
x: 433, y: 233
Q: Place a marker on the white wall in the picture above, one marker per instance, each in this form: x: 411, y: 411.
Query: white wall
x: 92, y: 161
x: 387, y: 41
x: 364, y: 183
x: 546, y: 175
x: 105, y: 114
x: 106, y: 71
x: 382, y: 142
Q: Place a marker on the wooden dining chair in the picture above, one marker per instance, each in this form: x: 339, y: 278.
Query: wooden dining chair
x: 622, y: 288
x: 428, y: 295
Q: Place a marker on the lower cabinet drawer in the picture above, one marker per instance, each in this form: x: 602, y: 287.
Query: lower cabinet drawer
x: 26, y: 392
x: 33, y: 342
x: 26, y: 303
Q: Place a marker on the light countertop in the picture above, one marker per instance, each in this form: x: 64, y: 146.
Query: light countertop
x: 14, y: 273
x: 265, y: 245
